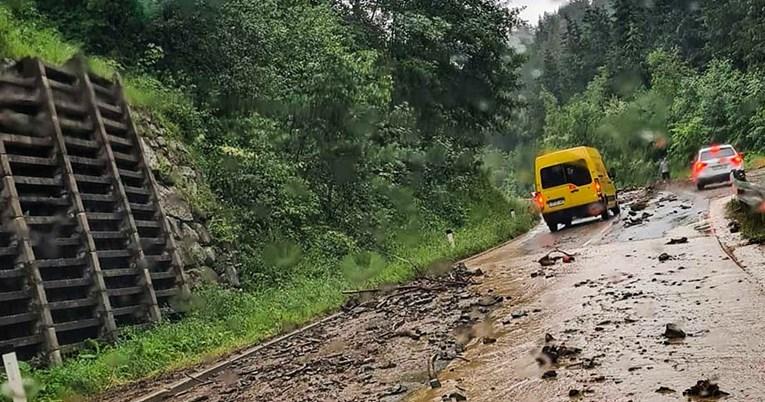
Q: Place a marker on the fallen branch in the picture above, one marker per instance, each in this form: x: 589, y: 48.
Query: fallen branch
x: 432, y: 367
x: 378, y: 290
x: 434, y: 383
x: 197, y: 379
x: 447, y: 282
x: 296, y: 371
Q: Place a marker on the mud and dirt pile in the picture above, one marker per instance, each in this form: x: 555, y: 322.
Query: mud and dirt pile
x: 382, y: 346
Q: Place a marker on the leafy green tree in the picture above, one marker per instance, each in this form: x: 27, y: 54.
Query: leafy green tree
x: 113, y: 28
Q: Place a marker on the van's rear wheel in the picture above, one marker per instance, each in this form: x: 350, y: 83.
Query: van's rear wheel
x: 616, y: 210
x: 604, y: 215
x: 567, y: 221
x: 553, y: 225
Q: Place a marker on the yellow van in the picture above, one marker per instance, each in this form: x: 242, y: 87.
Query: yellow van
x: 573, y: 183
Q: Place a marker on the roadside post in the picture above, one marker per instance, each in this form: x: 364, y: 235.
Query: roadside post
x: 450, y: 237
x: 15, y: 382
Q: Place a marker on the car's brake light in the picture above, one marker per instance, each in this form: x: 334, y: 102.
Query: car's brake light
x: 598, y: 188
x: 539, y: 200
x: 699, y: 166
x: 738, y: 159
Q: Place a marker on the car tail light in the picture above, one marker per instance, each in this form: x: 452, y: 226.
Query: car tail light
x: 738, y: 159
x: 699, y: 166
x: 539, y: 200
x: 572, y: 187
x: 598, y: 187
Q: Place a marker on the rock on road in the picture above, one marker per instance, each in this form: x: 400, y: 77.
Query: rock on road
x: 618, y: 323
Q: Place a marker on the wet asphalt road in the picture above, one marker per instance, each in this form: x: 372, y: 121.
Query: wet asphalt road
x: 614, y: 303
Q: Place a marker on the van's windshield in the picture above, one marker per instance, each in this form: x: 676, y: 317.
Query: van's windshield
x: 575, y: 173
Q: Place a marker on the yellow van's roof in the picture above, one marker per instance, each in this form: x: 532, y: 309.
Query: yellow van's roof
x: 565, y: 154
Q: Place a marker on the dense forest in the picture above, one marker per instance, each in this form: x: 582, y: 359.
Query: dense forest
x: 341, y: 138
x: 641, y: 80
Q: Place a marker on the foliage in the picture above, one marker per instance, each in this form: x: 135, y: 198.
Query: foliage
x: 665, y: 78
x: 752, y: 222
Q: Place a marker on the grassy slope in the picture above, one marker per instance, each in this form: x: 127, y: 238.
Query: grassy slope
x: 219, y: 320
x: 752, y: 222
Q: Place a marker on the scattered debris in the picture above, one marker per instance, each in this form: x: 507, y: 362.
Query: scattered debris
x: 432, y: 375
x: 665, y: 390
x: 549, y: 260
x: 488, y: 301
x: 407, y: 333
x: 550, y: 374
x: 454, y: 396
x: 552, y: 353
x: 549, y: 338
x: 397, y: 389
x: 487, y: 340
x: 674, y: 332
x: 639, y: 205
x: 681, y: 240
x: 705, y: 389
x: 573, y: 393
x: 734, y: 226
x: 632, y: 222
x: 589, y: 364
x: 663, y: 257
x: 518, y: 314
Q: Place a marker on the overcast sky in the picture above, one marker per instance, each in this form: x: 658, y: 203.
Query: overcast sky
x: 535, y: 8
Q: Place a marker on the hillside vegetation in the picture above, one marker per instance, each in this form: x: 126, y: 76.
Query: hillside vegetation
x: 338, y: 142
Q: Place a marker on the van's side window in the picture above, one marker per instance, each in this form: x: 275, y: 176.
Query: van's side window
x: 575, y: 173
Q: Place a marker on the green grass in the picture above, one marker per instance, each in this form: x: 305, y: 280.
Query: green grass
x: 754, y: 161
x: 31, y: 38
x: 221, y: 321
x: 752, y: 222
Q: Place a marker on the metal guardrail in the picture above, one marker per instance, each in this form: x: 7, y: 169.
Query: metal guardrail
x: 749, y: 193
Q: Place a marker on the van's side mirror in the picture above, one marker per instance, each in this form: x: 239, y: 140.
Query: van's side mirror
x: 612, y: 174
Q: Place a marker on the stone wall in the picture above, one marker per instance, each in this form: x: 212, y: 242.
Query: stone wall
x: 180, y: 183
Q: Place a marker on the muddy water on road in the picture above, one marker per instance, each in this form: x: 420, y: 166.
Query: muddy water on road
x: 614, y: 303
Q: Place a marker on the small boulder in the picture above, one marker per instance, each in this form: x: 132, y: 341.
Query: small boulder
x: 665, y: 390
x: 550, y: 374
x: 672, y: 331
x: 705, y: 389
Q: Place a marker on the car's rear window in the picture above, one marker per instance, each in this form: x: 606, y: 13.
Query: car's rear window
x: 575, y: 173
x: 719, y: 153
